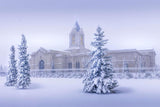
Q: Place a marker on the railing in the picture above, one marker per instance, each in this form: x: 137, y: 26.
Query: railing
x: 117, y: 70
x: 79, y: 73
x: 59, y: 73
x: 136, y: 69
x: 2, y: 73
x: 59, y: 70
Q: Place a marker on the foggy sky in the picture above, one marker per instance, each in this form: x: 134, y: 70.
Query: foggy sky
x: 128, y: 24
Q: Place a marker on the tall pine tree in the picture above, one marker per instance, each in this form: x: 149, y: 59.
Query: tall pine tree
x: 12, y: 72
x: 99, y: 78
x: 24, y: 68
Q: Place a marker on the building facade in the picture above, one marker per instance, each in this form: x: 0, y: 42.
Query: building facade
x: 77, y: 56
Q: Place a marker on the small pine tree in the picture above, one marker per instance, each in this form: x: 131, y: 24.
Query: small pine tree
x: 99, y: 78
x: 12, y: 73
x: 23, y: 80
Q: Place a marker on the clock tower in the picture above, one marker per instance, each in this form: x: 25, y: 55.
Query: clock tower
x: 76, y: 37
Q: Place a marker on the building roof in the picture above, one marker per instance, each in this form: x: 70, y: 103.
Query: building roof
x: 141, y: 52
x: 147, y: 51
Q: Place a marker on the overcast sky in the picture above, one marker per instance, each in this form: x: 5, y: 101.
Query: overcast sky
x: 128, y: 24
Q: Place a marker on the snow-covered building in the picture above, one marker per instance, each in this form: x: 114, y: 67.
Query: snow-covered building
x: 77, y: 56
x: 132, y: 59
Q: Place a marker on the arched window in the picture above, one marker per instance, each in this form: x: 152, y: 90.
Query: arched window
x: 73, y: 40
x: 41, y: 64
x: 126, y: 66
x: 77, y: 65
x: 52, y: 65
x: 70, y: 65
x: 82, y: 40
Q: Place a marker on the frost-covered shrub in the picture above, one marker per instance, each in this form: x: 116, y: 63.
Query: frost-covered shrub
x: 148, y: 75
x: 129, y: 75
x: 157, y: 75
x: 120, y: 75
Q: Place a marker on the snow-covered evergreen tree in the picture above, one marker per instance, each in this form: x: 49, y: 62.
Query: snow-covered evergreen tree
x: 23, y: 80
x: 99, y: 78
x: 12, y: 72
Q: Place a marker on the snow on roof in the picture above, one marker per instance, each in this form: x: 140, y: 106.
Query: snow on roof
x: 147, y: 51
x: 75, y: 51
x: 58, y: 51
x: 71, y: 48
x: 142, y: 52
x: 40, y: 50
x: 123, y: 50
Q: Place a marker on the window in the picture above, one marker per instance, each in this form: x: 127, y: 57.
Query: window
x: 126, y: 67
x: 73, y: 40
x: 52, y: 65
x: 77, y: 65
x: 70, y: 65
x: 41, y: 64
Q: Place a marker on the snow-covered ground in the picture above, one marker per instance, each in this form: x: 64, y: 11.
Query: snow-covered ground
x: 64, y: 92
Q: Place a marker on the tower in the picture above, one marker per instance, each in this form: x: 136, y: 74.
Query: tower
x: 76, y: 37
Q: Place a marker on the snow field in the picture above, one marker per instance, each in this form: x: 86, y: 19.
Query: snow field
x: 64, y: 92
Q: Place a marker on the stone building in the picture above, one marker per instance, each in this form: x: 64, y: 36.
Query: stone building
x: 132, y: 59
x: 77, y: 56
